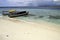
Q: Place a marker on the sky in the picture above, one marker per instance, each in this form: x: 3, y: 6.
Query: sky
x: 28, y: 2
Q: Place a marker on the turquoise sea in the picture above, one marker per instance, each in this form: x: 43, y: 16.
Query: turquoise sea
x: 36, y: 14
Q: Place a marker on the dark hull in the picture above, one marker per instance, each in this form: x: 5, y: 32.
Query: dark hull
x: 12, y: 16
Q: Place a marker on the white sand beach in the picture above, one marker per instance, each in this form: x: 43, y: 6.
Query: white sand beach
x: 12, y: 29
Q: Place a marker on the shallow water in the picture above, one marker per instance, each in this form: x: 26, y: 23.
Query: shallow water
x: 35, y: 14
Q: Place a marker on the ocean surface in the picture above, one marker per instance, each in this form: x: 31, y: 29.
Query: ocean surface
x: 36, y: 14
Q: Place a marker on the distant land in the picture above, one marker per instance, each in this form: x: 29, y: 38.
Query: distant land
x: 42, y: 6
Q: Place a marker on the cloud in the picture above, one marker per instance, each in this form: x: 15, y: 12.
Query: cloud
x: 27, y: 2
x: 14, y: 1
x: 19, y: 2
x: 56, y: 0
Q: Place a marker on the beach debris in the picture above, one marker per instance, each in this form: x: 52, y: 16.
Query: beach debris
x: 7, y: 35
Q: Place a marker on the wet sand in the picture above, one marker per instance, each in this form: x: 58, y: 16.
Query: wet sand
x: 12, y: 29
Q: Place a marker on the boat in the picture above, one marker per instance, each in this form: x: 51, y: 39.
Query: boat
x: 14, y: 13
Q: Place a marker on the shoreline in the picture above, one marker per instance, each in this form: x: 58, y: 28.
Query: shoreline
x: 23, y: 30
x: 48, y: 24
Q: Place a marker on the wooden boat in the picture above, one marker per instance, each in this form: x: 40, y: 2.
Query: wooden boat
x: 14, y: 13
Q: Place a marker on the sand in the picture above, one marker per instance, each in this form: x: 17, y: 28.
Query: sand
x: 12, y: 29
